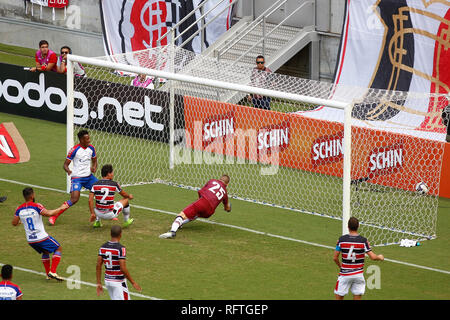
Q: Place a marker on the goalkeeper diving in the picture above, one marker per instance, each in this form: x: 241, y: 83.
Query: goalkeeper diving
x: 210, y: 196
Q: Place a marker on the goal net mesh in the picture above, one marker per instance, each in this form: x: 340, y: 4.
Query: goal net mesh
x: 279, y: 152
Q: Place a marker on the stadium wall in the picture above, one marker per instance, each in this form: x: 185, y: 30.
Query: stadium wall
x: 80, y: 28
x: 23, y: 24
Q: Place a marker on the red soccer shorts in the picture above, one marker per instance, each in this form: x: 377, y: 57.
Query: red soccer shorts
x: 199, y: 208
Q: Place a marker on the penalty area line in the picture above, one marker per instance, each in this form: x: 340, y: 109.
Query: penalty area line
x: 239, y: 228
x: 75, y: 281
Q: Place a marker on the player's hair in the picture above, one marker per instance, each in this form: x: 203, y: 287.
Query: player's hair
x: 116, y: 231
x: 27, y: 192
x: 260, y: 57
x: 82, y: 133
x: 107, y: 168
x: 42, y: 42
x: 353, y: 224
x: 7, y: 270
x: 225, y: 178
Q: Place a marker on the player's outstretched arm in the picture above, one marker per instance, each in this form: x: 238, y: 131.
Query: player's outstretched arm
x: 374, y: 256
x: 227, y: 206
x: 49, y: 213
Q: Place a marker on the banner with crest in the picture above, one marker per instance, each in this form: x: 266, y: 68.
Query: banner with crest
x: 398, y: 45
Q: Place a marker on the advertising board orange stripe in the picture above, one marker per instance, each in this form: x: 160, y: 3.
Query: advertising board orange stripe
x: 295, y: 141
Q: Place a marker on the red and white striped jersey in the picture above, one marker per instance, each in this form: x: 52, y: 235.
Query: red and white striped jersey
x: 112, y: 253
x: 353, y: 249
x: 104, y: 191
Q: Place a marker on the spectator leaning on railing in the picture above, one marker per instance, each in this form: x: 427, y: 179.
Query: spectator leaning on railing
x: 45, y: 58
x: 61, y: 65
x: 260, y: 78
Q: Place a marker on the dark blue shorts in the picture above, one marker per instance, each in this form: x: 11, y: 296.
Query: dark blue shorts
x: 86, y: 182
x: 49, y: 245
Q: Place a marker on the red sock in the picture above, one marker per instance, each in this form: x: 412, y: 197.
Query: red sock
x: 55, y: 261
x: 46, y: 262
x: 58, y: 214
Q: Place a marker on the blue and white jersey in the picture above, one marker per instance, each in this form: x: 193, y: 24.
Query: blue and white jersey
x: 31, y: 218
x: 81, y: 159
x: 9, y: 290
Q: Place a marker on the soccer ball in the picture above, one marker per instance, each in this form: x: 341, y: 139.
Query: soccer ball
x: 421, y: 188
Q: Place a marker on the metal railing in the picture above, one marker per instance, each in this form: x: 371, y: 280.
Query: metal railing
x: 261, y: 20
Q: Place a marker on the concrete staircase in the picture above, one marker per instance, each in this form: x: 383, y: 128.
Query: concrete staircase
x: 281, y: 43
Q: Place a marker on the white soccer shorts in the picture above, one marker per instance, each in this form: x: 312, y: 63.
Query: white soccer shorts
x: 356, y: 283
x: 118, y: 290
x: 108, y: 215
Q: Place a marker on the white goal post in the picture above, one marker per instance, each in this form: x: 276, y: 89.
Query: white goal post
x: 191, y: 128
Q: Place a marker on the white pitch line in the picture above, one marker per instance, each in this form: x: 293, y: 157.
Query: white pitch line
x: 78, y: 281
x: 240, y: 228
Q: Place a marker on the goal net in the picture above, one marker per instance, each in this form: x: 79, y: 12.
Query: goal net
x: 280, y: 138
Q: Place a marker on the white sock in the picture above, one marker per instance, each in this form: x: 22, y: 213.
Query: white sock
x: 186, y: 221
x: 176, y: 224
x: 126, y: 213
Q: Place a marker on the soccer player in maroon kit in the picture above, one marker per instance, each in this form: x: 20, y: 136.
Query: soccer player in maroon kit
x: 210, y: 196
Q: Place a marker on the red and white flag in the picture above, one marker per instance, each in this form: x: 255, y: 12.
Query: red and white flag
x: 130, y: 26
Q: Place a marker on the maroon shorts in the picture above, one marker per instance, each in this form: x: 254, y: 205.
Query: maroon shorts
x: 199, y: 208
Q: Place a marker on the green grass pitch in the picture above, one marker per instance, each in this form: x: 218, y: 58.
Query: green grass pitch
x: 288, y: 258
x: 255, y: 252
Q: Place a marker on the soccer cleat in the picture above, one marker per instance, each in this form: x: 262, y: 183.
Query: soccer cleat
x: 128, y: 222
x: 52, y: 220
x: 55, y: 276
x: 168, y: 235
x: 3, y: 199
x: 97, y: 224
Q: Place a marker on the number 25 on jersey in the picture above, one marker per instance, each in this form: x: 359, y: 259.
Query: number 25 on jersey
x: 217, y: 190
